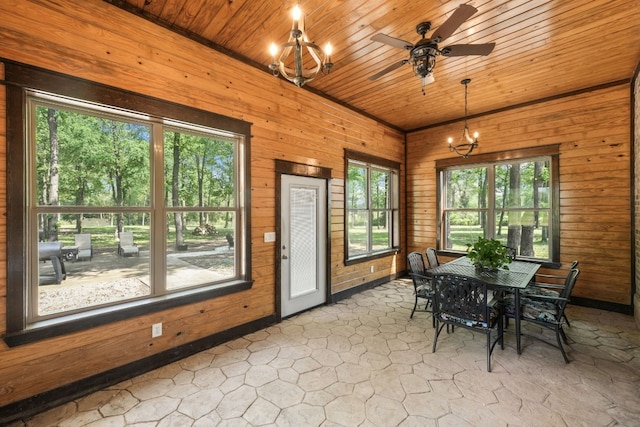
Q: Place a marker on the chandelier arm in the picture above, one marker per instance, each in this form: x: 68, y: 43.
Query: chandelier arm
x: 294, y: 50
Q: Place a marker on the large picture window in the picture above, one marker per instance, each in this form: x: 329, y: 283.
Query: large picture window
x: 372, y: 206
x: 511, y: 201
x: 123, y: 210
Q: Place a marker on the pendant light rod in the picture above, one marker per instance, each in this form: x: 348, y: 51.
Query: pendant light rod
x: 466, y: 143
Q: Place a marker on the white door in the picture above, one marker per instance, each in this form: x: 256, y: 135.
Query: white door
x: 303, y: 248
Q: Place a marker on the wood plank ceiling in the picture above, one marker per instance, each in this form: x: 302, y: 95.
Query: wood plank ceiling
x: 544, y: 48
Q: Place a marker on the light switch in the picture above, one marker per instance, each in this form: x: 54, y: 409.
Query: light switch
x: 270, y: 236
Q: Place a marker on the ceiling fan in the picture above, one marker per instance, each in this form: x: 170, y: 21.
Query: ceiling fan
x: 422, y: 55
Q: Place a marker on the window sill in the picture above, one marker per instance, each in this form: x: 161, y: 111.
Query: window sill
x: 366, y: 258
x: 77, y: 322
x: 543, y: 263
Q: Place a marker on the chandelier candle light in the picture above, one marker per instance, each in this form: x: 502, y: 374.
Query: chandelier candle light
x: 299, y: 60
x: 466, y: 144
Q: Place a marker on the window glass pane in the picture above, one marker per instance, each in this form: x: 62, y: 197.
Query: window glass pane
x: 358, y: 232
x: 466, y: 188
x: 90, y: 160
x: 526, y: 231
x: 506, y: 201
x: 380, y: 230
x: 357, y: 187
x: 199, y: 170
x: 372, y: 203
x: 463, y: 227
x: 201, y: 250
x: 86, y: 264
x: 522, y: 185
x: 95, y: 156
x: 379, y: 189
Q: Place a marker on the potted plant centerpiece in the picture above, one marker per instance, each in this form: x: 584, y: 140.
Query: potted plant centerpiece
x: 488, y: 254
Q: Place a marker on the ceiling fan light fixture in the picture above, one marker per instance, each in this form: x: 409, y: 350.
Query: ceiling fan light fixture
x: 422, y: 55
x: 299, y: 60
x: 466, y: 143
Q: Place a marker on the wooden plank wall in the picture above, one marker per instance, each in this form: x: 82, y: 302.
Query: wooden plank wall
x: 96, y: 41
x: 593, y: 130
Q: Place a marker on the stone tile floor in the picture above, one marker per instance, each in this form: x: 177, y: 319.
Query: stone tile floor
x: 363, y: 362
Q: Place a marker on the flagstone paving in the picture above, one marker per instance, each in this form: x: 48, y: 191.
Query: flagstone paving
x: 363, y: 362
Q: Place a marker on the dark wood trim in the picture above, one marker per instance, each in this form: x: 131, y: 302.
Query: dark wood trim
x: 349, y: 292
x: 300, y: 169
x: 373, y: 160
x: 18, y: 79
x: 52, y: 398
x: 602, y: 305
x: 552, y: 150
x: 369, y: 158
x: 354, y: 261
x: 525, y: 104
x: 634, y: 176
x: 30, y: 77
x: 500, y: 156
x: 91, y: 319
x: 458, y: 254
x: 555, y: 208
x: 16, y: 262
x: 284, y: 167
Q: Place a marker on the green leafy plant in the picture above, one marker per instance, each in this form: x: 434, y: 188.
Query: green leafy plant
x: 488, y: 254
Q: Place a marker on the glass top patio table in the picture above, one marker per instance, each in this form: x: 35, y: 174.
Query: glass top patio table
x: 517, y: 277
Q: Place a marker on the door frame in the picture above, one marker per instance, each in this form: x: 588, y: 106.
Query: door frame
x: 284, y: 167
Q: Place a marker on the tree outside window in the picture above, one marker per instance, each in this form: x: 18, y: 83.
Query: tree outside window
x: 95, y: 173
x: 507, y: 201
x: 372, y: 225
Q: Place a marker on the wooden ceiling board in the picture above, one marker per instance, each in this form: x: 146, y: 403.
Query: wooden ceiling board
x: 544, y: 48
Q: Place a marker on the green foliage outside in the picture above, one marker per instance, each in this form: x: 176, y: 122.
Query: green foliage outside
x: 89, y: 159
x: 460, y: 236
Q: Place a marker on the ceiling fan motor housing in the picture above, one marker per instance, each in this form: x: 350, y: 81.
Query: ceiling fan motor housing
x: 423, y: 57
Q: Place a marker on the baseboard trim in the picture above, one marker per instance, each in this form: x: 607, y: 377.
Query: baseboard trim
x: 347, y: 293
x: 602, y: 305
x: 58, y: 396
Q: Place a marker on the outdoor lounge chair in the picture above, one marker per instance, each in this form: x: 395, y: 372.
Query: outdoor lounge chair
x: 127, y: 247
x: 85, y: 248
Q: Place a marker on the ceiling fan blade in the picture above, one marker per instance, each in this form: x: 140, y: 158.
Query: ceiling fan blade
x: 389, y: 69
x: 459, y: 16
x: 392, y: 41
x: 468, y: 49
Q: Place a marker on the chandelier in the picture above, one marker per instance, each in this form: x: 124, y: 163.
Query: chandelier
x: 299, y: 60
x: 466, y: 143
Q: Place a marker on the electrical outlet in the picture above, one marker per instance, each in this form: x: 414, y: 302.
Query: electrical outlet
x: 156, y: 330
x: 372, y: 268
